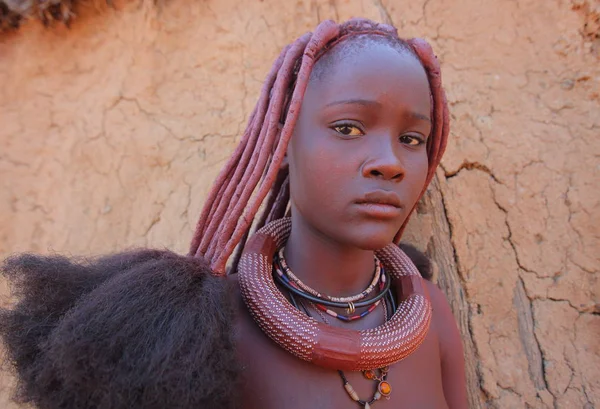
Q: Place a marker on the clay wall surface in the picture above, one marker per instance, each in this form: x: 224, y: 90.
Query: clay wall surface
x: 112, y: 131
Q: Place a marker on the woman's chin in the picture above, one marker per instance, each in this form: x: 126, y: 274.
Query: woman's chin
x: 374, y: 236
x: 373, y: 242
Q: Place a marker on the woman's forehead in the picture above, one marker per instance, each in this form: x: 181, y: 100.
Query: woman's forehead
x: 377, y: 72
x: 356, y: 45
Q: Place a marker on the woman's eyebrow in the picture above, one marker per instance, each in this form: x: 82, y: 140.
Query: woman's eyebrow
x: 420, y: 116
x: 357, y: 101
x: 372, y: 103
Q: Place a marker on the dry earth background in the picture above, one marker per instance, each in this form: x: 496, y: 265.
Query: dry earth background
x: 112, y: 131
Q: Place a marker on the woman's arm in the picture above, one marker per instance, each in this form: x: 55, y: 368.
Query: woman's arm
x: 451, y: 350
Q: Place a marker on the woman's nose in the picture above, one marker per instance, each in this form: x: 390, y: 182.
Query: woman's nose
x: 384, y: 162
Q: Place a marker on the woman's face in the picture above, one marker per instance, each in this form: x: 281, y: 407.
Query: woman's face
x: 358, y: 159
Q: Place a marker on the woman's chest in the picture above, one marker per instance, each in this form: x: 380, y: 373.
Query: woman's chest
x: 273, y: 378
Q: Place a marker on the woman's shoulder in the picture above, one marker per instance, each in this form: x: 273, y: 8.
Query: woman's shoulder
x: 444, y: 322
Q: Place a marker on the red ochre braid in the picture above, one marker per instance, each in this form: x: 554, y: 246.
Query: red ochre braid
x: 254, y: 169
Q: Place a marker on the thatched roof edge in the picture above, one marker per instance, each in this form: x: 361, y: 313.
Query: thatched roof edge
x: 15, y: 12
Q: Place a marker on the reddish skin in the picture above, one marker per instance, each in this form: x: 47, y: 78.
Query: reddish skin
x: 332, y: 240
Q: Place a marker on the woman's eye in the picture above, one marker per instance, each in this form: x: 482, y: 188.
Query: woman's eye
x: 411, y: 140
x: 348, y: 130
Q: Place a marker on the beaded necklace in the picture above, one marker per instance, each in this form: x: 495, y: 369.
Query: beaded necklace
x: 363, y: 294
x: 383, y: 387
x: 282, y: 275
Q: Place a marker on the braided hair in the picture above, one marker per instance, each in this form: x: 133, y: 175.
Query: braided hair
x: 254, y: 170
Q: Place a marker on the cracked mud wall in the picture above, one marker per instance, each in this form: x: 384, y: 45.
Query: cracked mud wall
x: 111, y: 132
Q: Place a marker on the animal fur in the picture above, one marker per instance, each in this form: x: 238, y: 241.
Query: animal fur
x: 144, y: 329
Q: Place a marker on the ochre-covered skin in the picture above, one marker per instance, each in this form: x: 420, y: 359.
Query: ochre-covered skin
x: 273, y: 378
x: 366, y: 130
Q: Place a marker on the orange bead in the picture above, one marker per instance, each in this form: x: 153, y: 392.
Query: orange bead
x: 385, y: 388
x: 369, y: 374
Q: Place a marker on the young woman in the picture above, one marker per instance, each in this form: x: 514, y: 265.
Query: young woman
x: 317, y: 307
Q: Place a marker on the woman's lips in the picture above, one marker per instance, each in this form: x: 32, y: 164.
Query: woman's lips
x: 379, y: 210
x: 381, y: 204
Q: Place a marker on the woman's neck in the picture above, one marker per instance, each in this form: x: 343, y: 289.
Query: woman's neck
x: 327, y: 266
